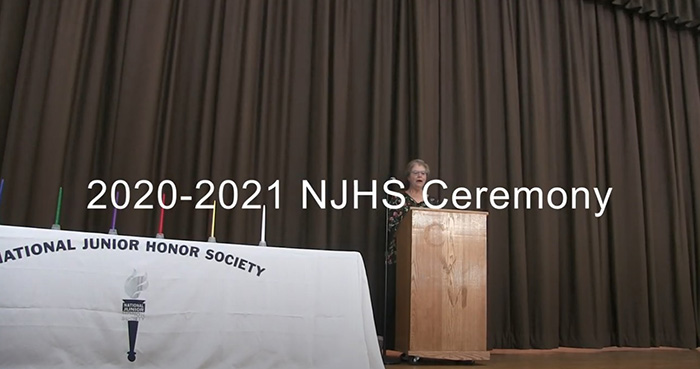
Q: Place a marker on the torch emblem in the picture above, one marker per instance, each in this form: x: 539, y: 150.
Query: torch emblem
x: 134, y: 309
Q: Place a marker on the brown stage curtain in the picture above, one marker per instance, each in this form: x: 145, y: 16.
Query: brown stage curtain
x: 682, y: 13
x: 490, y: 93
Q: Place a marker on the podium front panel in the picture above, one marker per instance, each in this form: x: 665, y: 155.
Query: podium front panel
x: 441, y: 284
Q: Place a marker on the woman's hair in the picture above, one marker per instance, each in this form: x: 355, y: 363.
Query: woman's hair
x: 413, y: 163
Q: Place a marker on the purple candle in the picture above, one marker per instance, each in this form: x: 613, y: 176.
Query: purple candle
x: 2, y: 184
x: 114, y: 213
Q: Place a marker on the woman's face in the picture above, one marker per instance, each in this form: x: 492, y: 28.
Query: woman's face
x: 417, y: 177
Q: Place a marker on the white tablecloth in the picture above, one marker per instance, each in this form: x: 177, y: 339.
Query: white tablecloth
x: 195, y: 304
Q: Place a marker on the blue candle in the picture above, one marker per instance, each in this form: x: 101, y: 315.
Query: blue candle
x: 114, y: 214
x: 2, y: 184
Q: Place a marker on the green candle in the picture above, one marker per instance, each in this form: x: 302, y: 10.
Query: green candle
x: 58, y: 208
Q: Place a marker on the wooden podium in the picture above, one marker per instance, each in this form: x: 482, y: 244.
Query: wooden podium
x: 441, y: 284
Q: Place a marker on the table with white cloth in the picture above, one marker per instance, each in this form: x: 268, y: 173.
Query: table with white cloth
x: 91, y: 300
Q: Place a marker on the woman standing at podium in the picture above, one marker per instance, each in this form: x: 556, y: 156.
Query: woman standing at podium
x: 417, y: 172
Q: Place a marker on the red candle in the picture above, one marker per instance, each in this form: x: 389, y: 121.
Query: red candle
x: 162, y: 212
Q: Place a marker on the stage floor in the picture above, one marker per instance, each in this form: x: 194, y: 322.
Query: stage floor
x: 609, y: 358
